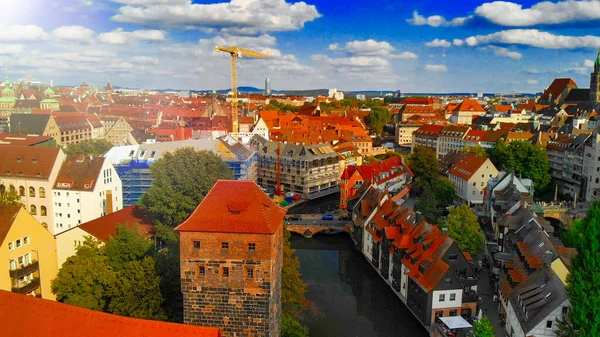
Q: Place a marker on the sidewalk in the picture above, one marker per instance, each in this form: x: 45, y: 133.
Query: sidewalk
x: 487, y: 304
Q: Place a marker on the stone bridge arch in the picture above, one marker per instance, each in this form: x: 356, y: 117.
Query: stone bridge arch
x: 309, y: 231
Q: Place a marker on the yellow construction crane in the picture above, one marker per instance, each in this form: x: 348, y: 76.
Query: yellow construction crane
x: 236, y: 52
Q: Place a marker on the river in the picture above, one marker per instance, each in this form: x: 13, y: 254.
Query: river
x: 351, y: 297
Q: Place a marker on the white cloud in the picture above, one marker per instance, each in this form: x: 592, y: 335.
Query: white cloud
x: 73, y: 33
x: 436, y: 21
x: 354, y: 63
x: 458, y: 42
x: 119, y: 36
x: 532, y: 82
x: 264, y: 40
x: 438, y: 43
x: 371, y: 47
x: 588, y: 63
x: 246, y: 17
x: 504, y: 52
x: 145, y: 60
x: 436, y: 68
x: 22, y: 33
x: 512, y: 14
x: 534, y: 38
x: 11, y: 49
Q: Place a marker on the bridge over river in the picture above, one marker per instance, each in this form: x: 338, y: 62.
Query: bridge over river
x: 311, y: 224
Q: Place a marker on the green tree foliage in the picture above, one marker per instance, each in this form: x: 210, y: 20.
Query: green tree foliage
x: 464, y: 229
x: 525, y: 160
x: 444, y: 191
x: 565, y: 328
x: 483, y: 328
x: 424, y: 164
x: 428, y: 206
x: 478, y: 150
x: 168, y: 267
x: 119, y: 277
x: 8, y: 197
x: 280, y: 106
x: 572, y: 234
x: 85, y: 277
x: 582, y: 283
x: 95, y: 147
x: 293, y: 290
x: 180, y: 181
x: 377, y: 119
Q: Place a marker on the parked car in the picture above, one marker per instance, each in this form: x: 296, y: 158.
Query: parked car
x: 296, y: 218
x: 327, y: 217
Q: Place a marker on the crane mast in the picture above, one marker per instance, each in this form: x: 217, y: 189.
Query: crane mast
x: 236, y: 52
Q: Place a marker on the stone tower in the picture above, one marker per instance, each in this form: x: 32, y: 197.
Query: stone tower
x: 231, y: 260
x: 595, y: 81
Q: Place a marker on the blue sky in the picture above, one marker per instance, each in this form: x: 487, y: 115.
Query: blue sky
x: 414, y: 46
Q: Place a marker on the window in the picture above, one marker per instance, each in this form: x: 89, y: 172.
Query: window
x: 20, y: 260
x: 22, y: 191
x: 196, y: 244
x: 252, y: 247
x: 224, y: 245
x: 453, y: 297
x: 27, y: 259
x: 33, y: 210
x: 439, y: 313
x: 250, y: 273
x: 32, y: 192
x: 11, y: 246
x: 453, y: 257
x: 453, y: 313
x: 482, y: 183
x: 26, y: 240
x: 565, y: 310
x: 442, y: 297
x: 225, y: 271
x: 201, y: 271
x: 42, y: 192
x: 19, y: 243
x: 13, y: 264
x: 548, y: 324
x: 448, y: 280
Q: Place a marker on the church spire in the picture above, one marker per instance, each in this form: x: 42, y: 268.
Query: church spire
x: 598, y: 58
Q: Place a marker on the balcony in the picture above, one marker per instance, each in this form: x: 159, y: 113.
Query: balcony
x: 26, y: 270
x: 25, y: 288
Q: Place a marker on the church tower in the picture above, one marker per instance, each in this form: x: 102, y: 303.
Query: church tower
x: 595, y: 81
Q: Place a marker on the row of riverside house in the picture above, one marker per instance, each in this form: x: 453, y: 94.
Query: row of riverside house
x: 423, y: 265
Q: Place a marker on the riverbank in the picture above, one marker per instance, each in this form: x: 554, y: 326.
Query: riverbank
x: 354, y: 299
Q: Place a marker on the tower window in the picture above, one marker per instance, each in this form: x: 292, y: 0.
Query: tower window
x: 201, y: 271
x: 196, y: 244
x: 250, y: 273
x: 252, y: 247
x: 224, y: 245
x: 225, y: 271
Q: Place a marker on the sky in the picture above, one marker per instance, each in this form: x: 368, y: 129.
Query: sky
x: 413, y: 46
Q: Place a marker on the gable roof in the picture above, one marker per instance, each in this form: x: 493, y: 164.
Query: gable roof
x: 235, y: 207
x: 557, y: 87
x: 467, y: 165
x: 29, y: 124
x: 104, y: 227
x: 28, y: 162
x: 50, y: 319
x: 8, y: 214
x: 79, y: 172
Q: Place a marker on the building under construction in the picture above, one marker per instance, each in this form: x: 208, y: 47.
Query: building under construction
x: 309, y: 170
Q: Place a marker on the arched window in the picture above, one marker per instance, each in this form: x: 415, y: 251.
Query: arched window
x: 43, y: 211
x: 33, y: 210
x: 45, y: 225
x: 22, y: 191
x: 32, y: 192
x: 12, y: 188
x: 42, y: 192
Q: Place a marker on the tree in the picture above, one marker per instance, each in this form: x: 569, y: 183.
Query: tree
x: 565, y: 327
x: 424, y: 164
x: 444, y: 191
x: 180, y: 182
x: 464, y: 229
x: 582, y: 282
x: 478, y: 150
x: 10, y: 197
x: 377, y: 119
x: 428, y: 206
x: 483, y: 328
x: 126, y: 246
x: 94, y: 147
x: 293, y: 290
x: 84, y: 278
x: 525, y: 160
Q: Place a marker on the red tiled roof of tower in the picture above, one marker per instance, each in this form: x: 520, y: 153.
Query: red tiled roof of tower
x: 79, y: 172
x: 470, y: 105
x: 27, y: 162
x: 235, y: 207
x: 51, y: 319
x: 467, y: 165
x: 104, y: 227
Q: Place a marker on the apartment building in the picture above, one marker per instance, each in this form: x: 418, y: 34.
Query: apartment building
x: 117, y: 130
x: 566, y: 156
x: 470, y: 175
x: 30, y: 251
x: 427, y: 136
x: 86, y: 188
x: 404, y: 132
x: 451, y: 139
x: 311, y: 171
x: 31, y: 171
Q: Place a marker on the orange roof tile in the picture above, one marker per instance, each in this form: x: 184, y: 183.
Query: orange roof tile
x: 20, y: 314
x: 28, y: 162
x: 104, y: 227
x: 466, y: 166
x: 235, y: 207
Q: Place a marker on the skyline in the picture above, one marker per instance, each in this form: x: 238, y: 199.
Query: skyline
x: 423, y: 46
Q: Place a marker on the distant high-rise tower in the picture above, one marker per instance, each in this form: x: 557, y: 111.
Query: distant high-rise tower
x: 595, y: 81
x: 267, y: 86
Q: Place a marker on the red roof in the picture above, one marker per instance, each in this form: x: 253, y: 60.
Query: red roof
x: 470, y: 105
x: 104, y: 227
x: 30, y: 316
x: 235, y: 207
x: 466, y: 166
x: 432, y: 130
